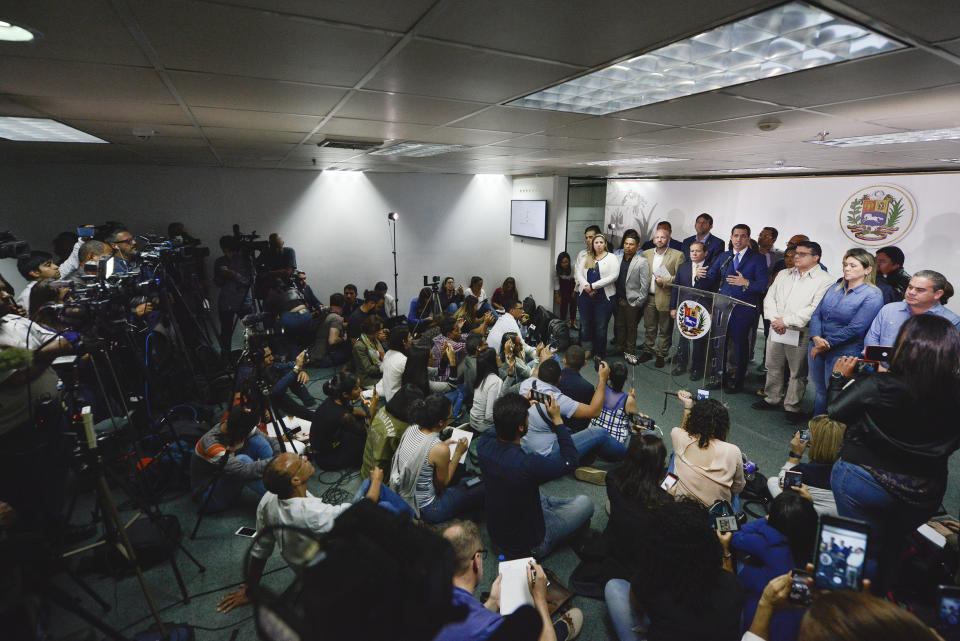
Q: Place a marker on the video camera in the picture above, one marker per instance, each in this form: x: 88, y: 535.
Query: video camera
x: 105, y: 297
x: 432, y: 283
x: 248, y: 242
x: 255, y: 334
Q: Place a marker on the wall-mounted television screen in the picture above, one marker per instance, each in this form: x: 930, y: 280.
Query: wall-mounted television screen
x: 528, y: 218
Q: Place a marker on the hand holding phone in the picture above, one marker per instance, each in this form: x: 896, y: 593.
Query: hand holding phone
x: 792, y: 478
x: 840, y: 553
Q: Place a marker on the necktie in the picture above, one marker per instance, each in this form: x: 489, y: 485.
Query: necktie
x: 736, y: 261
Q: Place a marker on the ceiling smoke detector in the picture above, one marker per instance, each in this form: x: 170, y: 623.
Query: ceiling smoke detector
x: 143, y: 134
x: 768, y: 124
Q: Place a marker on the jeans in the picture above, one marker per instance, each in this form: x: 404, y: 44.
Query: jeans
x: 821, y: 368
x: 389, y: 500
x: 859, y: 496
x: 454, y: 501
x: 296, y: 332
x: 226, y: 491
x: 456, y: 398
x: 617, y: 596
x: 595, y: 314
x: 561, y: 518
x: 595, y: 437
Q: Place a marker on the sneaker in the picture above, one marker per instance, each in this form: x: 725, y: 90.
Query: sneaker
x: 591, y: 475
x: 569, y: 625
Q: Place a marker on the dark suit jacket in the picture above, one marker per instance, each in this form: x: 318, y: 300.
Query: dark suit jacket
x: 714, y: 247
x: 674, y: 244
x: 753, y: 267
x: 684, y: 278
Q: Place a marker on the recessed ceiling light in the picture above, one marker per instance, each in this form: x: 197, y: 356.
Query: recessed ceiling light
x: 926, y: 135
x: 792, y: 37
x: 956, y: 160
x: 41, y: 130
x: 418, y: 149
x: 758, y: 170
x: 643, y: 160
x: 13, y: 33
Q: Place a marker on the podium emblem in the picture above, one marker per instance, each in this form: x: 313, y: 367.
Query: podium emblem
x: 693, y: 320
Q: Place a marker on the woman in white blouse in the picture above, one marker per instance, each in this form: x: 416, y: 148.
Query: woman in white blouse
x: 393, y: 362
x: 597, y: 298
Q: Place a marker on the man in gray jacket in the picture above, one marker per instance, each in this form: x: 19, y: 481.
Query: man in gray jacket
x: 633, y: 285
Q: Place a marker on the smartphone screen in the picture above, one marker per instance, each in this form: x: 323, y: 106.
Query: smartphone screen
x: 841, y: 553
x: 792, y: 479
x: 949, y: 609
x: 877, y: 353
x: 669, y: 482
x: 727, y: 523
x: 702, y: 394
x: 248, y: 532
x: 799, y: 590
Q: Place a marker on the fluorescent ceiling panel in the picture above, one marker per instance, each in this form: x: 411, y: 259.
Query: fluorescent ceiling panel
x: 956, y: 160
x: 926, y: 135
x: 41, y: 130
x: 782, y: 40
x: 644, y: 160
x: 13, y: 33
x: 418, y: 149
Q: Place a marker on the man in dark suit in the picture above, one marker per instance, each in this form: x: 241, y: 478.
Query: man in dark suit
x: 666, y: 226
x: 739, y: 273
x: 687, y: 277
x: 713, y: 246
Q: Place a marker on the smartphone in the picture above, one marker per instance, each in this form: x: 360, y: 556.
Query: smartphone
x: 470, y: 482
x: 669, y: 482
x: 726, y: 523
x: 630, y: 359
x: 840, y: 553
x: 799, y: 590
x: 805, y: 435
x: 85, y: 232
x: 248, y: 532
x: 644, y: 422
x: 792, y: 478
x: 702, y: 394
x: 877, y: 354
x: 539, y: 397
x: 554, y: 344
x: 948, y: 600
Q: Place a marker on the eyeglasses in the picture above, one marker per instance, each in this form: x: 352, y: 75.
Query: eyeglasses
x: 125, y: 240
x: 802, y: 254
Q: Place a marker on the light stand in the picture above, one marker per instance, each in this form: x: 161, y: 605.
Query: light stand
x: 392, y: 217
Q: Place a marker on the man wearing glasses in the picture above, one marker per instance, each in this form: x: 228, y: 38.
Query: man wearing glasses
x: 788, y: 306
x: 125, y: 251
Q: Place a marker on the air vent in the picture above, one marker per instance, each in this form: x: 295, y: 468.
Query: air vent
x: 356, y: 145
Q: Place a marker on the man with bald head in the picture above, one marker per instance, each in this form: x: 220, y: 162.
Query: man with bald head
x: 288, y: 503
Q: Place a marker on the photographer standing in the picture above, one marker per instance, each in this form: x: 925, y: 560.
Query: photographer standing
x: 901, y: 431
x: 232, y: 274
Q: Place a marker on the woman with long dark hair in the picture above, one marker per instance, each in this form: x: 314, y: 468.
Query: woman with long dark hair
x: 338, y: 432
x: 487, y: 389
x: 417, y: 372
x: 842, y: 319
x: 505, y: 296
x: 394, y: 362
x: 563, y: 288
x: 450, y: 295
x: 901, y: 431
x: 422, y: 308
x: 777, y: 544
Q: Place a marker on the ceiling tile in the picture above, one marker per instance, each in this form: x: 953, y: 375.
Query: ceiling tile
x: 603, y: 128
x: 371, y: 129
x: 254, y: 94
x: 208, y: 117
x: 582, y: 33
x: 374, y: 105
x: 58, y: 78
x: 102, y: 128
x: 930, y: 20
x: 218, y: 134
x: 384, y: 14
x: 433, y: 69
x: 10, y: 106
x: 897, y: 71
x: 80, y: 30
x: 796, y: 126
x: 676, y: 135
x: 464, y: 136
x: 698, y: 108
x: 104, y: 109
x: 920, y: 122
x: 517, y: 119
x: 221, y: 39
x: 952, y: 47
x: 917, y: 102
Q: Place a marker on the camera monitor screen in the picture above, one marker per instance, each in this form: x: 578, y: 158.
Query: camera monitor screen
x: 528, y: 218
x: 841, y: 553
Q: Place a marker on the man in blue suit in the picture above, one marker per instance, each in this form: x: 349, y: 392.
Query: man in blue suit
x: 712, y: 245
x: 739, y: 273
x: 687, y: 277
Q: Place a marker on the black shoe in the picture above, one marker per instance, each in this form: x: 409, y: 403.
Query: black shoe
x: 713, y: 383
x: 695, y: 375
x: 659, y: 362
x: 733, y: 388
x: 795, y: 418
x: 763, y: 405
x: 644, y: 357
x: 678, y: 370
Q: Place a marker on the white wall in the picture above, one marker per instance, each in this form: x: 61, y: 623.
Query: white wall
x: 802, y: 205
x: 532, y: 261
x: 449, y: 224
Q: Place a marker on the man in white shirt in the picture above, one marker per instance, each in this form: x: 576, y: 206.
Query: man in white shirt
x: 287, y: 503
x: 789, y: 304
x: 508, y: 322
x: 34, y: 267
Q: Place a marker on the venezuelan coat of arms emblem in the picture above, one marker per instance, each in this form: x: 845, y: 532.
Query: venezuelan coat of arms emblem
x: 877, y: 215
x: 693, y: 320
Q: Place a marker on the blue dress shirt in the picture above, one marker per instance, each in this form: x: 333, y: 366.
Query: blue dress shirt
x: 892, y: 316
